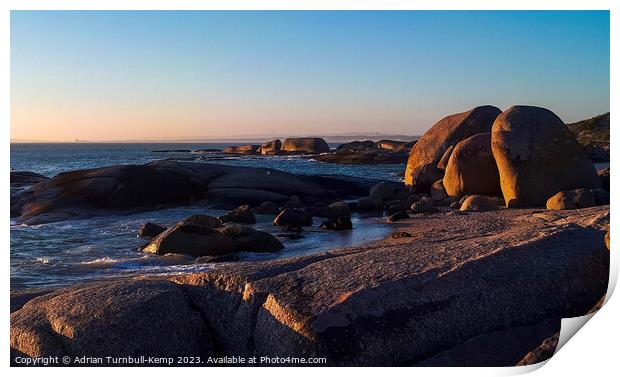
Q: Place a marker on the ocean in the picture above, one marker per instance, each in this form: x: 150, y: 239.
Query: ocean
x: 67, y: 252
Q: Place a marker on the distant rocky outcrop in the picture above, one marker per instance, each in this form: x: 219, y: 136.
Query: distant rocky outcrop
x: 369, y: 152
x: 271, y: 147
x: 308, y: 145
x: 537, y: 157
x: 457, y: 288
x: 593, y: 135
x: 242, y: 149
x: 165, y: 183
x: 452, y: 129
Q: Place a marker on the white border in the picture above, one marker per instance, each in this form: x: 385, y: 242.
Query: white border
x: 596, y: 350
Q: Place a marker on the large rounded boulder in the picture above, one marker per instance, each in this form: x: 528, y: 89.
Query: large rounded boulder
x: 305, y: 145
x: 471, y: 168
x: 537, y: 156
x: 448, y: 131
x: 271, y: 147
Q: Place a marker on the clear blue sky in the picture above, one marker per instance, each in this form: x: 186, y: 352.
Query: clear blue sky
x: 156, y: 75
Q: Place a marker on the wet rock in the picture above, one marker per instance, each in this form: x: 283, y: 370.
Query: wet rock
x: 242, y: 149
x: 537, y: 157
x: 293, y: 217
x: 356, y: 145
x: 388, y: 190
x: 192, y: 239
x: 310, y: 145
x: 21, y: 179
x: 431, y: 147
x: 479, y: 203
x: 266, y: 208
x: 248, y: 239
x: 338, y: 209
x: 150, y: 230
x: 369, y: 204
x: 472, y: 169
x: 293, y: 202
x: 205, y: 221
x: 367, y: 156
x: 395, y: 206
x: 399, y: 234
x: 339, y: 223
x: 241, y: 215
x: 291, y: 236
x: 218, y: 259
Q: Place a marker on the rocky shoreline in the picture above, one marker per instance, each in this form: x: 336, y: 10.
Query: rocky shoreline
x: 501, y: 228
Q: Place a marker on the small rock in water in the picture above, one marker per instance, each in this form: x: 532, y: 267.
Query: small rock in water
x: 150, y: 230
x: 267, y: 208
x: 369, y: 204
x: 293, y: 217
x: 398, y: 216
x: 291, y: 236
x: 205, y: 221
x: 218, y: 258
x: 293, y: 202
x: 242, y: 215
x: 340, y: 223
x: 338, y: 209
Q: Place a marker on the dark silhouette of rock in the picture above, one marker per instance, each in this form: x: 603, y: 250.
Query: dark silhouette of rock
x: 242, y: 149
x: 150, y: 230
x: 267, y: 208
x: 593, y: 135
x: 423, y: 177
x: 356, y: 145
x: 537, y: 157
x: 443, y: 162
x: 241, y: 215
x: 338, y: 209
x: 541, y: 353
x: 431, y: 147
x: 572, y: 199
x: 472, y: 169
x: 293, y: 217
x: 309, y: 145
x: 402, y: 215
x: 603, y: 174
x: 389, y: 190
x: 218, y: 258
x: 424, y: 205
x: 369, y: 204
x: 338, y: 223
x: 205, y: 220
x: 248, y: 239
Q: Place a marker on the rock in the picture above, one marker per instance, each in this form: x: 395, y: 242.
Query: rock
x: 248, y: 239
x: 537, y: 157
x: 293, y: 202
x: 339, y: 223
x: 541, y: 353
x: 443, y: 162
x: 242, y: 215
x: 603, y: 174
x: 593, y: 135
x: 472, y: 169
x: 459, y: 279
x: 356, y: 145
x: 309, y: 145
x: 423, y: 177
x: 572, y: 199
x: 338, y: 209
x: 267, y: 208
x: 393, y: 145
x: 21, y: 179
x: 369, y: 204
x: 271, y: 147
x: 150, y: 230
x: 171, y: 151
x: 479, y: 203
x: 166, y: 183
x: 431, y: 147
x: 368, y: 156
x: 402, y: 215
x: 399, y: 234
x: 207, y: 151
x: 395, y: 206
x: 291, y: 236
x: 192, y: 239
x: 293, y: 217
x: 425, y: 205
x: 218, y: 259
x: 607, y: 243
x: 206, y: 221
x: 242, y: 149
x: 437, y: 191
x: 389, y: 190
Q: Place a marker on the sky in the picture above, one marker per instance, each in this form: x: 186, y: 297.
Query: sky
x: 146, y: 75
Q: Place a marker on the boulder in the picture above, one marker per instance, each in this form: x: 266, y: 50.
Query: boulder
x: 295, y: 217
x: 604, y: 176
x: 150, y: 229
x: 267, y: 208
x: 248, y: 239
x: 218, y: 258
x: 365, y: 156
x: 437, y: 191
x: 423, y: 177
x: 192, y: 239
x: 424, y: 205
x: 395, y: 206
x: 293, y: 202
x: 431, y: 147
x: 572, y: 199
x: 402, y: 215
x: 443, y: 162
x: 390, y: 190
x: 338, y: 223
x: 242, y: 215
x: 338, y: 209
x: 537, y: 157
x: 541, y: 353
x: 309, y: 145
x: 593, y: 135
x: 206, y: 221
x: 369, y: 204
x: 393, y: 145
x: 356, y: 145
x: 479, y: 203
x: 271, y: 147
x: 242, y: 149
x: 472, y: 169
x: 21, y: 179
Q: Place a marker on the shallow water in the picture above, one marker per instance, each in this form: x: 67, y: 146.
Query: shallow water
x: 63, y: 253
